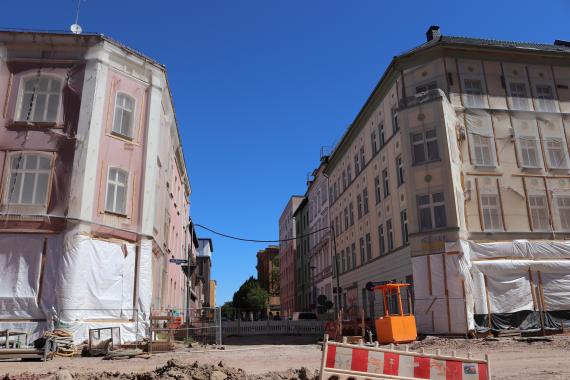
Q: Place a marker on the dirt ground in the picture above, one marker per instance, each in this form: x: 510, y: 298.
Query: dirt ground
x: 510, y: 358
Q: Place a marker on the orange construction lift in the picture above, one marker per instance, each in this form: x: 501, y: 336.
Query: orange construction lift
x: 394, y: 326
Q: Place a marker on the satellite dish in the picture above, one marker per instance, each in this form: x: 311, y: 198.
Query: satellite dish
x: 75, y: 29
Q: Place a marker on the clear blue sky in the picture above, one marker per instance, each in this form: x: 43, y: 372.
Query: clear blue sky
x: 260, y: 85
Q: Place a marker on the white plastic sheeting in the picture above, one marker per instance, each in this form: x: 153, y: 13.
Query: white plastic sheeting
x: 509, y: 273
x: 87, y: 283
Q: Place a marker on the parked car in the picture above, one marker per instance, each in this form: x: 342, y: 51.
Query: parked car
x: 304, y: 315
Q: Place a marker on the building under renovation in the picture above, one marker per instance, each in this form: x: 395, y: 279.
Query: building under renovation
x: 455, y: 176
x: 94, y: 192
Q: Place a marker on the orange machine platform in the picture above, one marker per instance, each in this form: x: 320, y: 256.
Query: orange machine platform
x: 395, y: 326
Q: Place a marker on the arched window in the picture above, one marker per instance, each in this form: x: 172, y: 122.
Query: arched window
x: 116, y: 199
x: 40, y: 99
x: 28, y: 182
x: 124, y: 111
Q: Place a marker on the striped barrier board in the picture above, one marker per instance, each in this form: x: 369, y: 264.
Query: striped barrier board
x: 348, y: 361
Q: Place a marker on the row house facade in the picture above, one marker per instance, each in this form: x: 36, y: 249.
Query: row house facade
x: 453, y: 174
x: 94, y: 198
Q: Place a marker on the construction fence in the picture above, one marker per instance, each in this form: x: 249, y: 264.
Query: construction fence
x: 269, y: 327
x: 201, y: 325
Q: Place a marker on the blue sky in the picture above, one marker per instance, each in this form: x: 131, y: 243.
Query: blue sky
x: 260, y: 85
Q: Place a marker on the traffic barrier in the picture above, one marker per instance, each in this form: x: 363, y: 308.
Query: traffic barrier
x: 358, y: 362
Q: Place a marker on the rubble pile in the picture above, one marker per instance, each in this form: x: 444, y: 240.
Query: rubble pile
x: 177, y: 370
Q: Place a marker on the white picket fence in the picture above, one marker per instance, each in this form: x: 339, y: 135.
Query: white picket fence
x: 285, y: 327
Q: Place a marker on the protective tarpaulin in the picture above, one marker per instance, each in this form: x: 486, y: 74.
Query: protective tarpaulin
x: 86, y: 282
x: 501, y: 285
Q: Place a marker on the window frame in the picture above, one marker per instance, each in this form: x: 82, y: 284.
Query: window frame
x: 562, y: 147
x: 6, y: 181
x: 537, y: 151
x: 517, y: 101
x: 533, y: 207
x: 431, y: 206
x: 475, y: 142
x: 545, y: 104
x: 390, y: 233
x: 400, y: 170
x: 386, y: 182
x: 471, y: 98
x: 559, y: 207
x: 424, y: 142
x: 404, y: 222
x: 20, y: 99
x: 127, y: 188
x: 488, y: 208
x: 133, y: 112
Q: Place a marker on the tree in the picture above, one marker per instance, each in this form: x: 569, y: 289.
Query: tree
x: 228, y: 310
x: 275, y: 279
x: 250, y: 296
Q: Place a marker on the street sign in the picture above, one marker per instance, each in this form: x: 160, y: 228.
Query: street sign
x: 179, y: 261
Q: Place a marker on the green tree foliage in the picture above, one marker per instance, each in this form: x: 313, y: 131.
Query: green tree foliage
x: 275, y: 278
x: 228, y: 310
x: 250, y: 296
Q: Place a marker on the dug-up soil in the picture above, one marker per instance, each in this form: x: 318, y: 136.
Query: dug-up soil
x: 174, y: 369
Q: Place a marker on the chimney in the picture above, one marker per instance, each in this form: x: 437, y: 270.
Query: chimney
x: 433, y: 33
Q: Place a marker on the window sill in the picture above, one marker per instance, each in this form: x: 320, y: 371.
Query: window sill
x: 121, y: 137
x: 113, y: 213
x: 426, y: 162
x: 35, y: 124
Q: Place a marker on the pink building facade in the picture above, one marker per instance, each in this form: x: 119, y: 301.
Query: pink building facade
x: 94, y: 197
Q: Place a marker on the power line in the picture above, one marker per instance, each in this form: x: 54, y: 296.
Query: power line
x: 257, y: 240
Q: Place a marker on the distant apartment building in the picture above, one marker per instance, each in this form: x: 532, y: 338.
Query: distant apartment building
x: 287, y: 249
x: 204, y: 271
x: 213, y: 285
x: 454, y: 176
x: 320, y: 249
x: 268, y: 274
x: 94, y: 197
x: 303, y: 284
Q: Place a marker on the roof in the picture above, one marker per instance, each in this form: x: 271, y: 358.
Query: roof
x: 557, y: 48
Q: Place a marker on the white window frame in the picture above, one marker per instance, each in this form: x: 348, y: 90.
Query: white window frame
x: 545, y: 103
x: 561, y: 148
x: 471, y: 97
x: 431, y: 206
x: 491, y: 211
x: 525, y: 145
x: 120, y: 132
x: 562, y: 208
x: 519, y: 100
x: 116, y: 184
x: 21, y: 93
x: 480, y: 143
x: 400, y: 170
x: 8, y: 184
x: 424, y: 143
x: 536, y: 210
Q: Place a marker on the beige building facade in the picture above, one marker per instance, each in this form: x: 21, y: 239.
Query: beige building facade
x: 452, y: 176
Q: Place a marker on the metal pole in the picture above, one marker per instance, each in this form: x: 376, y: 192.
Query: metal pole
x: 188, y: 281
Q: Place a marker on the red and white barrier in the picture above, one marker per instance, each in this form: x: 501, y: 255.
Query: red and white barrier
x: 341, y: 360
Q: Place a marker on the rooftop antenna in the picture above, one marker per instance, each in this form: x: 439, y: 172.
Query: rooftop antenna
x: 75, y: 27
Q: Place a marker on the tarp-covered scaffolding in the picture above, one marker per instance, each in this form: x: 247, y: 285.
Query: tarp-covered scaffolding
x: 75, y: 282
x: 474, y: 286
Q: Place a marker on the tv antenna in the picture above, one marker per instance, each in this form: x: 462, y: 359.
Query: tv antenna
x: 75, y: 27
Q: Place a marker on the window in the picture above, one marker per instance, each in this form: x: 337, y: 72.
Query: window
x: 351, y: 210
x: 400, y: 170
x: 424, y: 147
x: 365, y: 200
x: 390, y: 234
x: 395, y: 126
x: 528, y: 146
x: 343, y: 263
x: 362, y: 158
x: 116, y: 191
x: 482, y: 148
x: 356, y: 164
x: 563, y: 207
x: 431, y: 210
x: 368, y: 247
x: 473, y: 89
x: 374, y: 142
x: 545, y: 96
x: 377, y: 189
x: 556, y: 153
x: 519, y: 95
x: 539, y: 212
x: 491, y: 212
x: 348, y: 260
x: 343, y: 180
x: 124, y: 111
x: 381, y: 240
x: 337, y: 227
x: 362, y: 252
x: 359, y: 205
x: 29, y: 179
x: 348, y: 174
x: 404, y: 221
x: 353, y: 253
x: 40, y: 99
x: 346, y: 218
x: 385, y: 181
x: 382, y: 135
x: 426, y: 87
